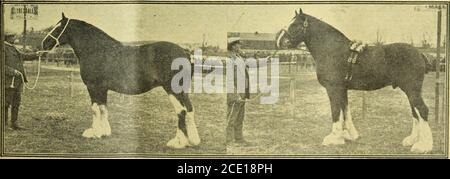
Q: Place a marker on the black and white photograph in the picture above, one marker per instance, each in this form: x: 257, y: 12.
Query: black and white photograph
x: 227, y: 79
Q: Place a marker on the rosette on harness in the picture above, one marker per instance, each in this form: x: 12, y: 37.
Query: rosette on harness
x: 355, y: 49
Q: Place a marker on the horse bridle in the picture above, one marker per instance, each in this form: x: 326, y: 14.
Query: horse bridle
x: 53, y: 37
x: 284, y: 31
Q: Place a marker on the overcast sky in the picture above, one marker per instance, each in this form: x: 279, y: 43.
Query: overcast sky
x: 188, y: 23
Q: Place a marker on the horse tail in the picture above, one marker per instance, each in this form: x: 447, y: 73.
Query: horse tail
x: 428, y: 65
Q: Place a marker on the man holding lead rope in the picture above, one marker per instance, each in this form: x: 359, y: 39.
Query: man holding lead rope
x: 235, y: 100
x: 13, y: 82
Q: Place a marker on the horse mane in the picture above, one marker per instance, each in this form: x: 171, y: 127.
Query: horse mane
x: 99, y: 34
x: 325, y: 26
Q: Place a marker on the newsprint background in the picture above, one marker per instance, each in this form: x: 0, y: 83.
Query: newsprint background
x: 56, y: 113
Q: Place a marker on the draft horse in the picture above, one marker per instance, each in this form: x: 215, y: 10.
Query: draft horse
x: 397, y: 64
x: 106, y: 64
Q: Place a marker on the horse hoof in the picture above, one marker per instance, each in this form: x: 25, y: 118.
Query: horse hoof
x: 194, y: 141
x: 422, y: 147
x: 175, y: 143
x: 91, y: 133
x: 179, y: 141
x: 409, y: 141
x: 106, y: 128
x: 424, y: 143
x: 347, y: 135
x: 106, y: 131
x: 333, y: 139
x: 192, y: 132
x: 193, y: 138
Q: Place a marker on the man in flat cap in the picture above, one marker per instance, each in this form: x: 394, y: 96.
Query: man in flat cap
x: 235, y: 99
x: 14, y: 72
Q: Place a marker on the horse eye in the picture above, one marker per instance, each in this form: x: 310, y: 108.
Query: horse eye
x: 294, y: 27
x: 297, y: 25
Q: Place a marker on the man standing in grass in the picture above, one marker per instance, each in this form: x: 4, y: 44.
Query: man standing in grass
x: 14, y: 78
x: 236, y: 100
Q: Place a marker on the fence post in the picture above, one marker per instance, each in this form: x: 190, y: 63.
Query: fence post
x: 292, y: 94
x: 71, y: 83
x: 289, y: 63
x: 438, y: 62
x: 444, y: 105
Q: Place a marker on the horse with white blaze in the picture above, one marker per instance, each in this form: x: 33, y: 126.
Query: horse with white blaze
x: 397, y: 64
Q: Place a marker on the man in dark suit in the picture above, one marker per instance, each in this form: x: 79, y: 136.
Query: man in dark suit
x: 14, y: 72
x: 235, y: 100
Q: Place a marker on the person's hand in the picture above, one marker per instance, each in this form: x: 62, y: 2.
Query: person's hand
x: 17, y: 72
x: 242, y: 100
x: 40, y: 53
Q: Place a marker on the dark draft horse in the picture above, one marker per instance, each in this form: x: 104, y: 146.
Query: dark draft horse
x: 396, y: 64
x: 106, y: 64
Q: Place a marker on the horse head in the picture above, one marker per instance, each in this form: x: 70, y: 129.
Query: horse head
x: 295, y: 33
x: 58, y: 35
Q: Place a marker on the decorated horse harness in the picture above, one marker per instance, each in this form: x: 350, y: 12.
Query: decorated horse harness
x: 355, y: 49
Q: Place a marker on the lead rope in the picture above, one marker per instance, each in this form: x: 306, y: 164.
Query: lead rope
x: 39, y: 61
x: 37, y: 77
x: 260, y: 94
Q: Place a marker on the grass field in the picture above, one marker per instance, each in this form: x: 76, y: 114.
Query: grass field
x: 144, y: 123
x: 140, y: 124
x: 298, y: 128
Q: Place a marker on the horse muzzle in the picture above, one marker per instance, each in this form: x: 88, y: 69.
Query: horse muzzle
x: 282, y: 40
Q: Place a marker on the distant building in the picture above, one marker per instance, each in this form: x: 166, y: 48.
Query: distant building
x: 256, y: 40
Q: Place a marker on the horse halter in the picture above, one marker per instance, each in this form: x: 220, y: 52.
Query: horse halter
x: 285, y: 31
x: 53, y: 37
x: 303, y: 30
x: 305, y: 25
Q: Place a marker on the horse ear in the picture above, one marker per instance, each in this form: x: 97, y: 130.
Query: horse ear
x: 63, y: 16
x: 300, y: 11
x: 296, y: 13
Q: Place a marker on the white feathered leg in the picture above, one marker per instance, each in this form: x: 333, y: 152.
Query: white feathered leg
x: 350, y: 132
x: 411, y: 139
x: 95, y: 131
x: 425, y: 142
x: 191, y: 128
x: 104, y: 123
x: 336, y: 136
x: 180, y: 140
